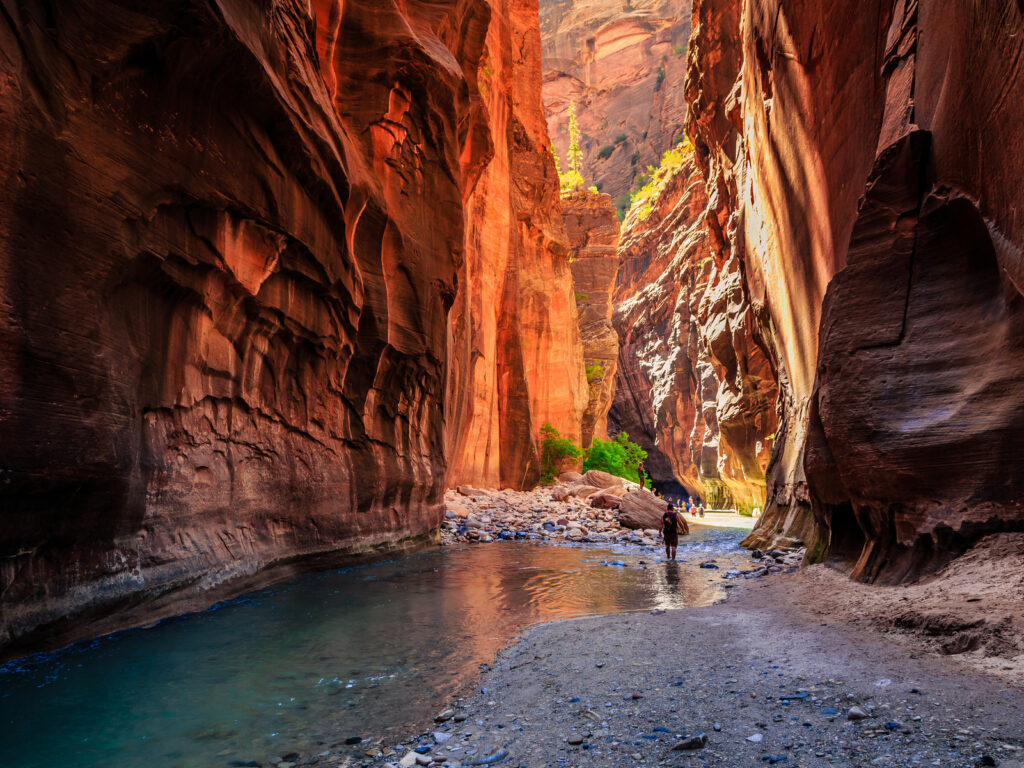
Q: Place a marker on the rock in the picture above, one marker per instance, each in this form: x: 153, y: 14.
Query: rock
x: 599, y: 479
x: 570, y: 477
x: 563, y: 521
x: 641, y: 509
x: 410, y: 759
x: 755, y: 738
x: 709, y: 565
x: 605, y: 500
x: 856, y: 713
x: 575, y: 740
x: 442, y: 717
x: 698, y: 741
x: 440, y: 737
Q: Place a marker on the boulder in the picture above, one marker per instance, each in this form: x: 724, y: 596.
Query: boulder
x: 641, y: 509
x: 570, y: 477
x: 601, y: 479
x: 583, y: 491
x: 605, y: 500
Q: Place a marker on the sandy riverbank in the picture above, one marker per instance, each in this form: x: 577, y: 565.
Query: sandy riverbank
x: 778, y: 674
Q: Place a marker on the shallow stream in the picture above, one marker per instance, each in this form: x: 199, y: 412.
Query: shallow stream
x: 301, y: 666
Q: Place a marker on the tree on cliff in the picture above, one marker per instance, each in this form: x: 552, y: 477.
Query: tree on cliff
x: 572, y: 179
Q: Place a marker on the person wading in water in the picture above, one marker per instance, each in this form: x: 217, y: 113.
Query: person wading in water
x: 671, y: 522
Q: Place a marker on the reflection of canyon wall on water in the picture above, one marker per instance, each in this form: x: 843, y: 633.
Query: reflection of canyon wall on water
x: 229, y: 240
x: 623, y: 64
x: 693, y: 387
x: 516, y: 351
x: 864, y: 160
x: 593, y: 231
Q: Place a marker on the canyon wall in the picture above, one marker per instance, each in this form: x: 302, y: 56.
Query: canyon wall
x: 622, y: 63
x: 861, y: 159
x: 694, y: 387
x: 593, y: 231
x: 230, y: 238
x: 517, y: 356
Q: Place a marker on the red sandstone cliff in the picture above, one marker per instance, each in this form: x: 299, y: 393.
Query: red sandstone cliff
x: 517, y: 357
x: 622, y: 63
x: 694, y: 387
x: 865, y: 163
x: 593, y: 231
x: 231, y: 237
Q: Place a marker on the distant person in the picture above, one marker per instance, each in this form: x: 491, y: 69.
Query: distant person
x: 640, y: 473
x: 671, y: 523
x: 700, y: 509
x: 689, y: 506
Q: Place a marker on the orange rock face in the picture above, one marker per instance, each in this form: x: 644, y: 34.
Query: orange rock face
x: 593, y: 231
x: 517, y: 357
x: 231, y: 240
x: 694, y: 386
x: 623, y: 65
x: 870, y: 197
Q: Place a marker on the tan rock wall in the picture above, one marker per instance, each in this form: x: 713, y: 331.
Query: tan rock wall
x: 618, y: 61
x: 593, y: 231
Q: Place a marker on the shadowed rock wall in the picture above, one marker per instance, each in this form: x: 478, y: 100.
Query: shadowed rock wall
x: 622, y: 63
x: 230, y: 237
x: 693, y: 387
x: 862, y: 160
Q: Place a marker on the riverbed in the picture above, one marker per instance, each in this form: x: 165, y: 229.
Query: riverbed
x: 302, y: 666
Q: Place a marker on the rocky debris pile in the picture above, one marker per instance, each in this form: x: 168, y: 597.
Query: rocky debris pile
x: 593, y: 507
x: 775, y: 561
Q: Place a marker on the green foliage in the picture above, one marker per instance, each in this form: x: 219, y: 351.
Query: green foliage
x: 621, y: 138
x: 572, y: 179
x: 595, y: 371
x: 558, y: 165
x: 582, y: 297
x: 606, y: 152
x: 660, y: 80
x: 595, y: 188
x: 622, y: 205
x: 679, y: 50
x: 653, y: 182
x: 618, y: 457
x: 556, y: 452
x: 635, y: 158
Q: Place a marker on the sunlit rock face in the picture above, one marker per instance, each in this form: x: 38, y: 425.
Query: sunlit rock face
x: 231, y: 238
x: 694, y: 386
x: 622, y: 63
x: 593, y: 231
x: 516, y: 352
x: 863, y: 159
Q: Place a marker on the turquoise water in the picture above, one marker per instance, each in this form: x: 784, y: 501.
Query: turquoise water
x: 301, y: 666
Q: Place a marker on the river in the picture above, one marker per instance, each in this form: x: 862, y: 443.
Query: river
x: 368, y: 651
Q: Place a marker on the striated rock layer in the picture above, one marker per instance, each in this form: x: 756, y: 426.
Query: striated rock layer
x: 230, y: 237
x: 622, y: 63
x: 517, y: 356
x: 593, y: 231
x: 863, y: 160
x: 694, y: 386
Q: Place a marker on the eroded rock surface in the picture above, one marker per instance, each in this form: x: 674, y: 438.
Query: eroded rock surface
x: 231, y: 239
x: 622, y: 63
x: 862, y: 160
x: 694, y: 387
x: 517, y: 356
x: 593, y: 231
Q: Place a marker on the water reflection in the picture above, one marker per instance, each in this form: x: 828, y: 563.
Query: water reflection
x: 301, y: 666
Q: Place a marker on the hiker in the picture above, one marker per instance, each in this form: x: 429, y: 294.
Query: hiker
x: 689, y: 506
x: 670, y: 525
x: 640, y: 472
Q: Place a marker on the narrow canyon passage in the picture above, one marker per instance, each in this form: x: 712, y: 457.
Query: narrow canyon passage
x: 297, y: 293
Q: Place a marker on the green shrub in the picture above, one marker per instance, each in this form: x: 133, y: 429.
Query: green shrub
x: 622, y: 205
x: 618, y: 457
x: 660, y: 80
x: 582, y: 296
x: 556, y: 453
x: 679, y: 50
x: 594, y: 372
x: 621, y: 138
x: 605, y: 152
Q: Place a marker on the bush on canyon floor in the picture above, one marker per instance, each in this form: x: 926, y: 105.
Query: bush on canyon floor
x: 557, y: 453
x: 618, y: 457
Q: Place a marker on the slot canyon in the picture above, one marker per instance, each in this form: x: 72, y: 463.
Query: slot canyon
x: 346, y: 308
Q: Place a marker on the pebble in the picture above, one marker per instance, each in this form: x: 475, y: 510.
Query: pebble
x: 755, y: 738
x: 856, y: 713
x: 697, y: 741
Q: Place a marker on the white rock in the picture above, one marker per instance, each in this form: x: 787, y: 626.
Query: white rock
x: 755, y: 738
